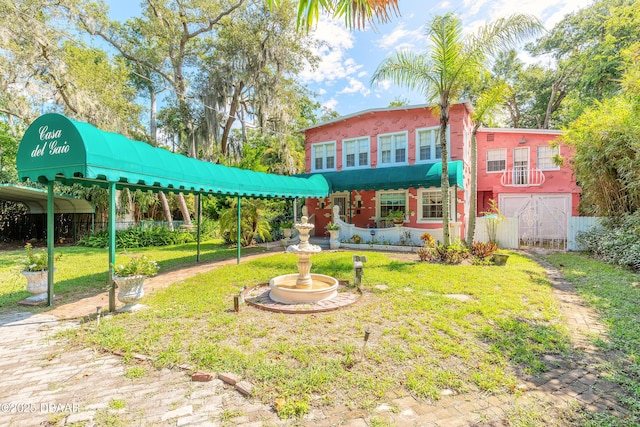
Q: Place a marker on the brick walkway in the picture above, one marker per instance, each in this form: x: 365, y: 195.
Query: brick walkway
x: 44, y: 383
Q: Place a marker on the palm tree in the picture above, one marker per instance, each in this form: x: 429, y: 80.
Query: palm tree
x: 355, y: 12
x: 487, y: 100
x: 452, y: 61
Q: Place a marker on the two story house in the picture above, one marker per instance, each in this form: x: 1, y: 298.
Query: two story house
x: 382, y: 160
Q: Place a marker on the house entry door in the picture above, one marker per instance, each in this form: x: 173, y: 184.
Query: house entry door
x: 521, y: 166
x: 340, y: 199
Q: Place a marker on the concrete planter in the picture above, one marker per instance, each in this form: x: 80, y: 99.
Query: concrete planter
x: 130, y: 290
x: 500, y: 259
x: 37, y: 284
x: 334, y: 243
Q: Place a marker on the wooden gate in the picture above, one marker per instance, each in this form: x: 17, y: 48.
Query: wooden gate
x: 543, y: 218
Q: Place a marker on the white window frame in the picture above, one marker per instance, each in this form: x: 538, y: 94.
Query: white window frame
x: 379, y: 200
x: 555, y: 151
x: 434, y: 143
x: 393, y: 136
x: 421, y: 193
x: 504, y: 152
x: 357, y: 142
x: 315, y: 147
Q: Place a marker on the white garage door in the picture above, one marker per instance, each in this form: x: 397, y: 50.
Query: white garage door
x: 543, y: 218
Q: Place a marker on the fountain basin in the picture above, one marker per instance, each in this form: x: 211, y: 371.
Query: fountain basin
x: 283, y: 289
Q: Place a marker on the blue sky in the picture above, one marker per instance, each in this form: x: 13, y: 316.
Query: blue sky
x: 349, y: 58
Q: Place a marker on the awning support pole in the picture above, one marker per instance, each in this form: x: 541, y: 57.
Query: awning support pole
x: 199, y: 226
x: 239, y: 229
x: 112, y: 245
x: 295, y: 210
x: 50, y: 243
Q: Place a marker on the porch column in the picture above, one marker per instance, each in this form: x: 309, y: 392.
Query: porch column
x: 50, y: 242
x: 112, y: 245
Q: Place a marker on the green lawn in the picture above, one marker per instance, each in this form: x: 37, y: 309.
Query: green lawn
x: 421, y: 339
x: 82, y: 271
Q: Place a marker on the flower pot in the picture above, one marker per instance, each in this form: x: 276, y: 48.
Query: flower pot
x: 334, y: 243
x: 287, y: 232
x: 500, y: 259
x: 130, y: 290
x: 37, y: 284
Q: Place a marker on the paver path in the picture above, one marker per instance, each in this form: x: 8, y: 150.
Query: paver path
x: 44, y: 383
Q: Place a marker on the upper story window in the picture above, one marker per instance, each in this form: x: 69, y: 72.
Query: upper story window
x: 428, y: 144
x: 324, y: 156
x: 545, y: 155
x: 356, y: 152
x: 497, y: 160
x: 392, y: 149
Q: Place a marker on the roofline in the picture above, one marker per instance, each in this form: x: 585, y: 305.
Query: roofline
x: 467, y: 104
x: 521, y: 130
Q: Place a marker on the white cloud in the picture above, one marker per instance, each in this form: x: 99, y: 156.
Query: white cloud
x: 330, y: 104
x: 355, y: 86
x: 334, y: 41
x: 321, y: 91
x: 400, y: 38
x: 362, y: 74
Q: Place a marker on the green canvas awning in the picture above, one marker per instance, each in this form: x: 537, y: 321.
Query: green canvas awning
x: 57, y: 148
x: 36, y: 200
x: 394, y: 178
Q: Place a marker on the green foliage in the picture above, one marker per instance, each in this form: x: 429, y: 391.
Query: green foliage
x: 8, y: 151
x: 138, y: 265
x: 452, y: 254
x: 616, y: 242
x: 606, y: 161
x: 35, y: 260
x: 253, y: 222
x: 138, y: 238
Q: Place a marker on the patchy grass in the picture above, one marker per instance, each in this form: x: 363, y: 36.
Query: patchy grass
x: 82, y: 272
x: 614, y: 292
x: 421, y: 339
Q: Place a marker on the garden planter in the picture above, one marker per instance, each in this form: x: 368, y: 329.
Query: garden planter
x: 130, y: 290
x: 334, y: 243
x: 500, y: 259
x: 37, y: 284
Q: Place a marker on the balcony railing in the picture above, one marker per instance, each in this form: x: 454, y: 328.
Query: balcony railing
x: 521, y: 177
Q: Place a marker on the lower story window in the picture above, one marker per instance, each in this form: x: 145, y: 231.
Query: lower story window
x: 392, y: 201
x: 431, y: 204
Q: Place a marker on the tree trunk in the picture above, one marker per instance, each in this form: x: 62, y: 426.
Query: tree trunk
x: 444, y: 182
x: 233, y: 108
x: 186, y: 217
x: 166, y: 209
x: 473, y: 203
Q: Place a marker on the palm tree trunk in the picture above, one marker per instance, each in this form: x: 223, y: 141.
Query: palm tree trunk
x: 444, y: 182
x: 166, y: 209
x: 186, y: 217
x: 473, y: 202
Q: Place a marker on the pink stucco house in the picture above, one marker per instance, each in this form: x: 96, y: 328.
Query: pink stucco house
x: 382, y: 160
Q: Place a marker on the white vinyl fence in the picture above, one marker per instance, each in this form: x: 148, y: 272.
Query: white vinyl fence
x: 578, y: 224
x: 508, y: 233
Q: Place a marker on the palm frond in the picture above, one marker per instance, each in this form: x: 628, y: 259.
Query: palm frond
x: 502, y: 34
x: 489, y: 99
x: 357, y: 13
x: 410, y: 70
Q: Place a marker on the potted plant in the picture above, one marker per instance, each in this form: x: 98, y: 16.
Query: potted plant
x: 334, y: 234
x: 35, y: 267
x: 129, y: 278
x: 397, y: 217
x: 287, y: 228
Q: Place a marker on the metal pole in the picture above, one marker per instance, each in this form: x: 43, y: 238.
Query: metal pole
x: 199, y: 225
x: 295, y: 210
x: 239, y: 222
x: 112, y: 245
x: 50, y: 242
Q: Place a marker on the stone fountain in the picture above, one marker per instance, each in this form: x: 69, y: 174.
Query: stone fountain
x: 304, y: 287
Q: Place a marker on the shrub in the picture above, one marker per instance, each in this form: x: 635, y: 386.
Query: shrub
x: 616, y: 242
x: 483, y: 250
x: 429, y: 241
x: 138, y: 238
x: 426, y: 254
